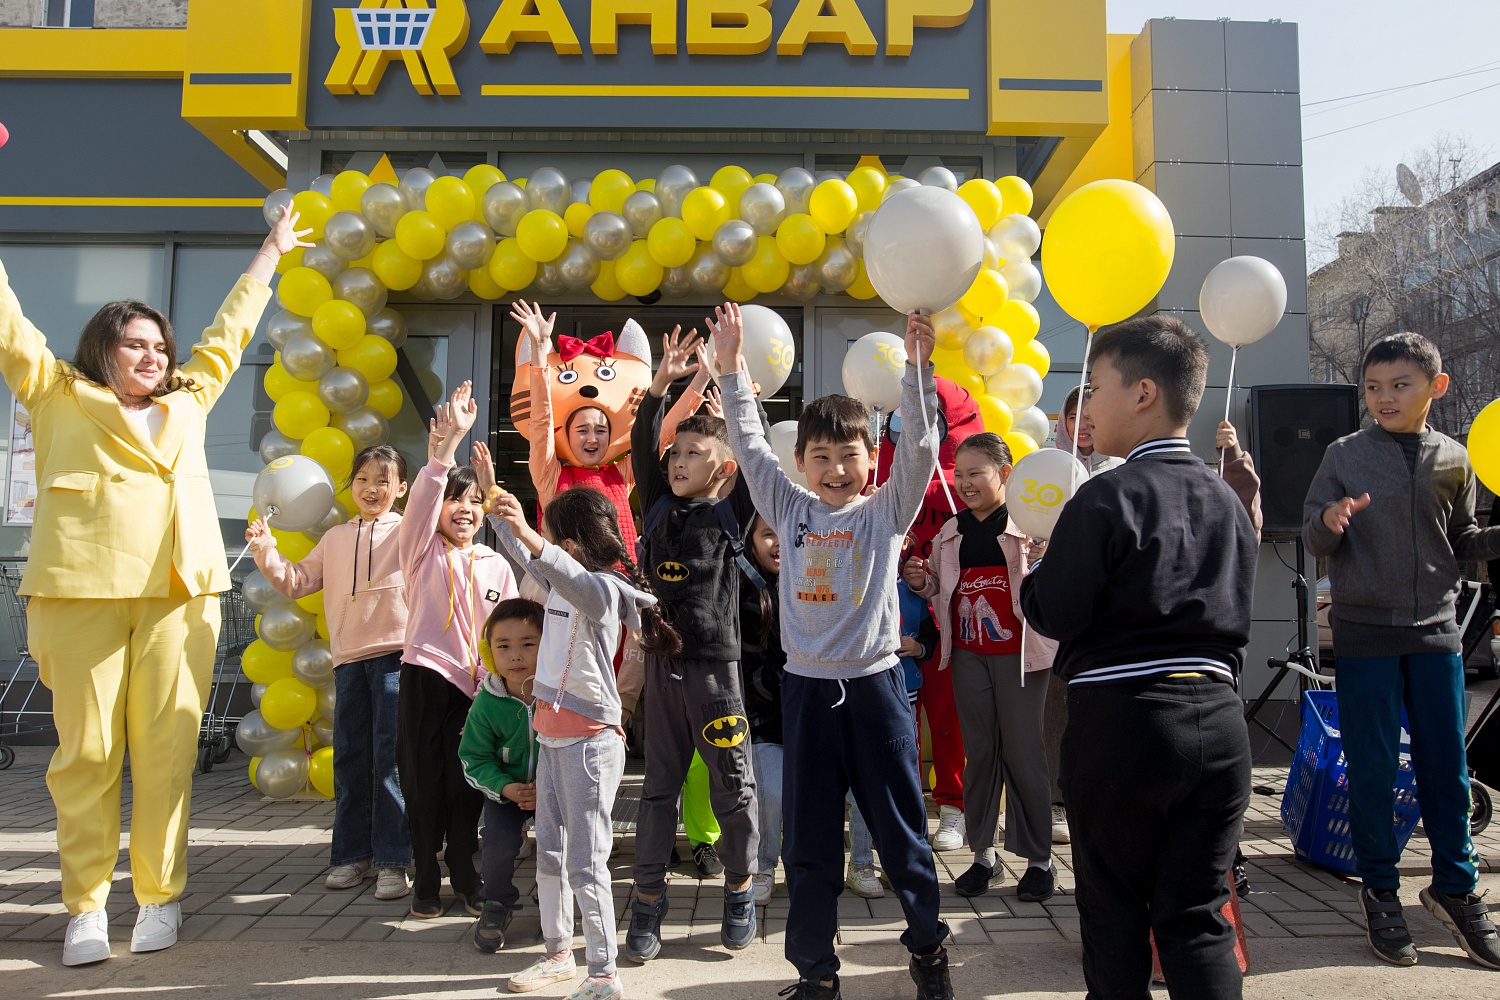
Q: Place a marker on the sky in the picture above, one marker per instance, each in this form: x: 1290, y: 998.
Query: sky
x: 1356, y: 46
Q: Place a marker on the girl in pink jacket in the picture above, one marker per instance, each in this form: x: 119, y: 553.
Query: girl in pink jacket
x: 358, y: 568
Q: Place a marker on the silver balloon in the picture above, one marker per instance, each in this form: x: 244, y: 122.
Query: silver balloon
x: 735, y: 243
x: 258, y: 593
x: 672, y: 185
x: 323, y: 184
x: 763, y: 206
x: 361, y: 288
x: 312, y: 664
x: 503, y: 206
x: 706, y: 272
x: 939, y: 177
x: 896, y: 186
x: 992, y: 258
x: 548, y: 188
x: 285, y: 626
x: 365, y: 427
x: 471, y: 244
x: 327, y: 696
x: 343, y: 390
x: 854, y: 236
x: 414, y: 184
x: 838, y: 267
x: 284, y: 325
x: 336, y: 516
x: 548, y: 280
x: 323, y: 730
x: 257, y: 737
x: 802, y: 283
x: 1023, y: 279
x: 321, y: 258
x: 580, y: 187
x: 607, y: 235
x: 1016, y: 236
x: 307, y: 358
x: 257, y: 691
x: 349, y: 235
x: 578, y: 266
x: 829, y: 175
x: 282, y: 773
x: 421, y: 292
x: 675, y: 282
x: 383, y: 204
x: 796, y: 186
x: 388, y: 324
x: 277, y: 445
x: 293, y: 493
x: 444, y: 277
x: 642, y: 210
x: 271, y: 208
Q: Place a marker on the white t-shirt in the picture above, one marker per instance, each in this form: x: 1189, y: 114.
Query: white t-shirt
x: 147, y: 422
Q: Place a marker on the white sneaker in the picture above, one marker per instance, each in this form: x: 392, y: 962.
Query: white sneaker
x: 950, y: 831
x: 1060, y: 834
x: 347, y: 876
x: 865, y: 882
x: 765, y: 885
x: 391, y: 883
x: 542, y: 973
x: 156, y: 927
x: 87, y: 939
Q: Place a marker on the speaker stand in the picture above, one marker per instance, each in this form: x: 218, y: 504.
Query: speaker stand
x: 1304, y: 661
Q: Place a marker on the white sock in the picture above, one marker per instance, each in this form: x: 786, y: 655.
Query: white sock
x: 985, y: 857
x: 1044, y: 865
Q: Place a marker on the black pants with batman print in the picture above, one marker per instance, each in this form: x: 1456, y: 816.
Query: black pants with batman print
x: 695, y: 705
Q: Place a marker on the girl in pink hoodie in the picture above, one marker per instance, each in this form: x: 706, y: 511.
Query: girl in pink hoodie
x: 452, y: 585
x: 358, y: 568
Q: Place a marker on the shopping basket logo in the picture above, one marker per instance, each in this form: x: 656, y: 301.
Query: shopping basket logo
x: 423, y: 35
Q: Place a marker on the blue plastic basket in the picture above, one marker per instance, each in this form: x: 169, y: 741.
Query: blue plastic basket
x: 1315, y: 807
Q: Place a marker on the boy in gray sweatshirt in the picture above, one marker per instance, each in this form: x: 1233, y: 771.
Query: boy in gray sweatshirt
x: 846, y: 725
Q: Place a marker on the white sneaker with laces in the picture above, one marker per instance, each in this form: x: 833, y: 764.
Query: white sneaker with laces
x: 950, y: 832
x: 156, y: 927
x: 865, y: 882
x: 544, y: 972
x: 391, y: 883
x: 87, y: 939
x: 765, y: 885
x: 347, y: 876
x: 1060, y: 834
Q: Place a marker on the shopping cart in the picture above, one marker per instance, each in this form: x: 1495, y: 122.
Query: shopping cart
x: 13, y: 720
x: 236, y: 631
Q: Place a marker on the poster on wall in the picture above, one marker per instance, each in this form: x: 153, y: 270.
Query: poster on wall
x: 20, y: 468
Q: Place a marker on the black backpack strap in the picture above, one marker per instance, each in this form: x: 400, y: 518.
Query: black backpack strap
x: 729, y: 523
x: 650, y: 523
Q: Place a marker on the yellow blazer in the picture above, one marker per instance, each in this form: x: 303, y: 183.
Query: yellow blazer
x: 115, y: 513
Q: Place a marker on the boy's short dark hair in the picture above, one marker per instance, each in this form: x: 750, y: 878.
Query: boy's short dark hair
x: 709, y: 426
x: 1411, y: 347
x: 835, y: 419
x: 515, y: 609
x: 1164, y: 350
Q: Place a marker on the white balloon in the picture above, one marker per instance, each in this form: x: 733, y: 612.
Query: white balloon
x: 940, y: 177
x: 923, y: 250
x: 783, y: 441
x: 1018, y: 386
x: 1242, y: 300
x: 1049, y: 478
x: 873, y: 367
x: 988, y: 349
x: 770, y: 352
x: 1016, y: 236
x: 297, y: 489
x: 1033, y: 423
x: 1023, y: 279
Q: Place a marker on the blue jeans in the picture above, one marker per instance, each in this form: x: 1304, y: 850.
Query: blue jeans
x: 369, y: 813
x: 1371, y: 692
x: 766, y: 759
x: 861, y: 844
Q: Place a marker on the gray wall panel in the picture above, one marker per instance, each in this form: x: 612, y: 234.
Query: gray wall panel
x: 1197, y: 195
x: 1265, y: 128
x: 1196, y: 256
x: 1261, y: 55
x: 1290, y: 258
x: 1186, y: 55
x: 1191, y: 125
x: 1266, y: 201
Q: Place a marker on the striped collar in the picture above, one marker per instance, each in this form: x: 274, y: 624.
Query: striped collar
x: 1159, y: 446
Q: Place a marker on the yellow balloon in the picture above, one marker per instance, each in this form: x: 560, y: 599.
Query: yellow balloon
x: 520, y: 182
x: 1015, y: 196
x: 705, y: 210
x: 1017, y: 318
x: 637, y: 271
x: 420, y: 236
x: 321, y: 627
x: 313, y: 212
x: 348, y: 187
x: 869, y: 186
x: 648, y: 185
x: 481, y: 177
x: 254, y: 763
x: 292, y: 258
x: 345, y: 499
x: 483, y: 285
x: 731, y: 182
x: 800, y: 239
x: 288, y: 703
x: 302, y: 290
x: 320, y: 771
x: 862, y: 288
x: 292, y: 544
x: 312, y: 603
x: 332, y: 449
x: 373, y: 357
x: 299, y: 413
x: 671, y: 243
x: 543, y: 235
x: 606, y: 286
x: 450, y: 201
x: 984, y: 198
x: 338, y: 324
x: 1035, y: 355
x: 575, y: 216
x: 987, y: 294
x: 279, y: 382
x: 385, y: 398
x: 995, y: 413
x: 395, y: 267
x: 738, y: 289
x: 1107, y: 251
x: 1484, y: 446
x: 766, y: 179
x: 834, y: 205
x: 952, y: 366
x: 264, y: 665
x: 510, y: 267
x: 768, y: 269
x: 608, y: 191
x: 1020, y: 445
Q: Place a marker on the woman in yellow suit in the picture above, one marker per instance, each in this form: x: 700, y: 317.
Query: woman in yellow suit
x: 125, y: 569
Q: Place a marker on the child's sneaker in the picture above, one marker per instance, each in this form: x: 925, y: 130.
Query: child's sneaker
x: 950, y: 832
x: 597, y: 988
x: 347, y: 876
x: 805, y: 989
x: 489, y: 929
x: 1385, y: 927
x: 930, y: 973
x: 765, y: 885
x: 1060, y: 832
x: 1037, y: 885
x: 1468, y: 917
x: 977, y: 880
x: 737, y: 929
x: 545, y: 972
x: 391, y: 883
x: 864, y: 881
x: 706, y: 859
x: 643, y: 940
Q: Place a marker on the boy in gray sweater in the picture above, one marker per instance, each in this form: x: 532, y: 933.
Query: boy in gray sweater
x: 846, y: 723
x: 1392, y: 510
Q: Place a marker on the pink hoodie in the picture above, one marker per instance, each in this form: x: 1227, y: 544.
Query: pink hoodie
x: 358, y: 568
x: 449, y: 592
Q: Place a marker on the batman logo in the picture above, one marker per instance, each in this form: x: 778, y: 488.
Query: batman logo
x: 672, y: 571
x: 729, y: 731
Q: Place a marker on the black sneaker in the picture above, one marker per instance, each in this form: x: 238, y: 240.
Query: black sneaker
x: 1241, y: 874
x: 1468, y: 917
x: 805, y: 990
x: 707, y: 860
x: 1037, y: 885
x: 643, y: 940
x: 489, y: 929
x: 426, y: 909
x: 930, y: 973
x: 976, y: 881
x: 738, y: 927
x: 1385, y: 927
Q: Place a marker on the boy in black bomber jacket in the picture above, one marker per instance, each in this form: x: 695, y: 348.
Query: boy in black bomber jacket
x: 1147, y: 582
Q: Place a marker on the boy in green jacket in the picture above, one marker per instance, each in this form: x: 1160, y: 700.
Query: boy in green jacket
x: 498, y: 753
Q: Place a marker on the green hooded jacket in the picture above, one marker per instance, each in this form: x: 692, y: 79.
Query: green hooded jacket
x: 499, y: 744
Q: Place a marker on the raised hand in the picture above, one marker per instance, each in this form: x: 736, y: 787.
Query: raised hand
x: 1336, y: 516
x: 713, y: 404
x: 535, y: 327
x: 914, y: 572
x: 679, y: 358
x: 728, y: 329
x: 285, y: 236
x: 484, y: 468
x: 464, y: 408
x: 920, y: 339
x: 258, y: 534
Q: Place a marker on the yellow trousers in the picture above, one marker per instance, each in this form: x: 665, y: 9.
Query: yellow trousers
x: 124, y: 674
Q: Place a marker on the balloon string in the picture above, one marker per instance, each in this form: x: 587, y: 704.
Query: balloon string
x: 271, y: 512
x: 1083, y: 385
x: 1234, y: 356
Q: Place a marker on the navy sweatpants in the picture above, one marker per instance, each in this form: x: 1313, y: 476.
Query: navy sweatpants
x: 854, y: 735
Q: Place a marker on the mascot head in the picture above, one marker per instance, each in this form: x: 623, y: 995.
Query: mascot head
x: 957, y: 418
x: 603, y: 373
